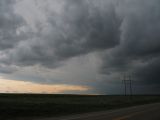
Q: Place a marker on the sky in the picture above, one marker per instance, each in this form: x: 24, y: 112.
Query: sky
x: 79, y: 46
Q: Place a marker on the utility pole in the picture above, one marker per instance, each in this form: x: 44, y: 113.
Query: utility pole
x: 125, y: 87
x: 127, y: 81
x: 130, y: 81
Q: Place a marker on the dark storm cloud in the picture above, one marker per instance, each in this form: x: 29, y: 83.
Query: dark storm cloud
x: 139, y: 50
x: 7, y: 69
x: 10, y: 28
x: 85, y: 27
x: 125, y: 32
x: 9, y: 24
x: 149, y: 73
x: 80, y: 28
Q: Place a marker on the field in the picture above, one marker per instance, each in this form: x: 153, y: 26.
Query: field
x: 42, y: 105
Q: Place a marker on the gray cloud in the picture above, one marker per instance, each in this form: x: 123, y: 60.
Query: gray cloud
x: 7, y: 69
x: 139, y: 49
x: 10, y: 24
x: 80, y: 28
x: 125, y: 33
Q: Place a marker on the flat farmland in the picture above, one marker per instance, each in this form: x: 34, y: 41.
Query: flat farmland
x: 50, y: 105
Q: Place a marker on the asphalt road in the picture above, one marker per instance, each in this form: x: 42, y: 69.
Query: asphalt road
x: 143, y: 112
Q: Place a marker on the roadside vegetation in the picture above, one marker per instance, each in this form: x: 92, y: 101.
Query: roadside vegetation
x: 45, y: 105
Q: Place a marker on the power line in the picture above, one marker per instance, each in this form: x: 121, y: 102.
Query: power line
x: 127, y: 81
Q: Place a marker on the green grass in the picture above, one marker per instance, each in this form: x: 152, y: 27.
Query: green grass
x: 32, y: 105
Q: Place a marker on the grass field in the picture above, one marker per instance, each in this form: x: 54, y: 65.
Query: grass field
x: 41, y: 105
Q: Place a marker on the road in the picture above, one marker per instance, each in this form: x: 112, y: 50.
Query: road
x: 143, y: 112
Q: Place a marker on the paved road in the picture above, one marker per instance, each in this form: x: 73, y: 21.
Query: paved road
x: 144, y: 112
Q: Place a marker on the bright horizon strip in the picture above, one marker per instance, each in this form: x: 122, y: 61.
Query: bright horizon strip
x: 14, y: 86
